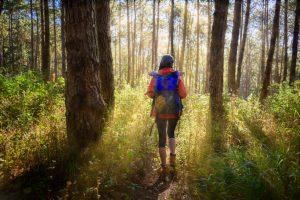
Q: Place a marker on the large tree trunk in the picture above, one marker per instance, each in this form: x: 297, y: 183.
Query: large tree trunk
x: 234, y: 45
x: 54, y: 40
x: 45, y: 41
x: 128, y: 45
x: 63, y: 42
x: 268, y: 70
x: 181, y: 62
x: 295, y: 44
x: 105, y: 55
x: 285, y: 39
x: 243, y: 43
x: 216, y: 76
x: 85, y: 106
x: 171, y: 29
x: 207, y: 74
x: 276, y: 70
x: 197, y: 48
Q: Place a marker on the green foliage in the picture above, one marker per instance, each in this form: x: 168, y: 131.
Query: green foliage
x: 31, y: 122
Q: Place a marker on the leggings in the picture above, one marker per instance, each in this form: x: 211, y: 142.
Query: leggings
x: 163, y: 129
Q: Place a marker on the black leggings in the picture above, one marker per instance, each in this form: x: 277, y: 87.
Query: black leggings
x: 163, y: 129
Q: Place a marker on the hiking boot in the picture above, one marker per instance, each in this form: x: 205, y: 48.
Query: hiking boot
x: 172, y: 160
x: 163, y: 173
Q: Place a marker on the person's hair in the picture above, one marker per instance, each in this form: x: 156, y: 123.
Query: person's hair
x: 167, y: 61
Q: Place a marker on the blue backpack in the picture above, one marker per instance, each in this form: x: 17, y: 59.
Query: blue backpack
x: 167, y: 100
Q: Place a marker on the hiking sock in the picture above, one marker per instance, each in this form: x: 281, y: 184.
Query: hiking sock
x: 172, y: 145
x: 163, y: 156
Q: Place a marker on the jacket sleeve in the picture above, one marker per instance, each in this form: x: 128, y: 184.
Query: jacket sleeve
x: 150, y: 90
x: 181, y: 89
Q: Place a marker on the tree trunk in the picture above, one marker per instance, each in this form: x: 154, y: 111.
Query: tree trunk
x: 216, y: 76
x: 105, y: 55
x: 85, y: 107
x: 207, y: 74
x: 42, y: 33
x: 63, y: 42
x: 157, y: 27
x: 153, y: 36
x: 234, y: 45
x: 285, y: 63
x: 37, y: 42
x: 31, y: 38
x: 241, y: 56
x: 171, y: 29
x: 133, y: 45
x: 197, y: 48
x: 181, y: 62
x: 54, y: 40
x: 268, y: 70
x: 46, y: 46
x: 276, y: 70
x: 141, y: 45
x: 128, y: 45
x: 120, y: 47
x: 263, y: 46
x: 295, y: 44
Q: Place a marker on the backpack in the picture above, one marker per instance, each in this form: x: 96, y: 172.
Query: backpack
x: 167, y: 100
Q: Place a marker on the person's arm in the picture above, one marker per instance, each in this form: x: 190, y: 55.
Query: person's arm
x: 150, y: 90
x: 181, y: 89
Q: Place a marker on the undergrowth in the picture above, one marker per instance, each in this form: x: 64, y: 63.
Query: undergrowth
x: 261, y: 160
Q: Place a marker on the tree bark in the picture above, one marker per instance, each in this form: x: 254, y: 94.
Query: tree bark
x: 133, y: 45
x: 263, y: 46
x: 243, y: 43
x: 285, y: 63
x: 216, y: 76
x: 63, y: 42
x: 181, y: 62
x: 207, y: 74
x: 233, y: 46
x: 31, y: 38
x: 54, y: 40
x: 120, y: 46
x: 276, y: 70
x: 197, y: 48
x: 295, y: 44
x: 105, y: 55
x: 128, y: 45
x: 153, y: 62
x: 171, y: 29
x: 85, y: 107
x: 46, y: 46
x: 268, y: 70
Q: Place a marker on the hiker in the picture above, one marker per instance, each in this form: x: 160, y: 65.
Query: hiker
x: 166, y: 89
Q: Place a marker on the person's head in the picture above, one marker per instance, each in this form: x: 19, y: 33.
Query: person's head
x: 166, y: 62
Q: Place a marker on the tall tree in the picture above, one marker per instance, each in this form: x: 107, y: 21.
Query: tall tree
x: 85, y: 106
x: 216, y: 76
x: 285, y: 39
x: 295, y: 44
x: 197, y: 46
x: 153, y: 61
x: 171, y: 29
x: 105, y: 55
x: 207, y: 74
x: 31, y: 37
x: 45, y: 40
x: 54, y: 40
x: 263, y: 46
x: 133, y: 44
x: 234, y: 45
x: 268, y: 70
x: 243, y: 44
x: 63, y: 41
x: 128, y: 45
x: 181, y: 61
x: 157, y: 28
x: 119, y: 41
